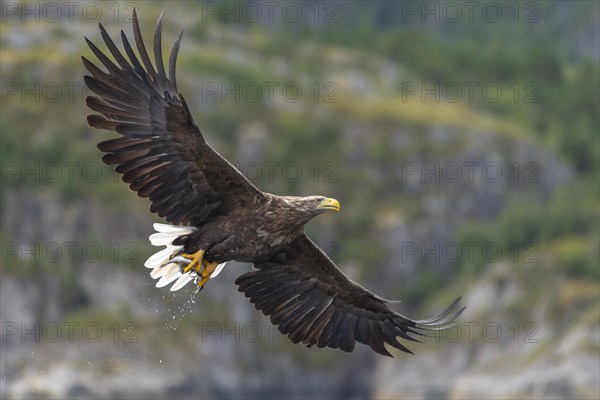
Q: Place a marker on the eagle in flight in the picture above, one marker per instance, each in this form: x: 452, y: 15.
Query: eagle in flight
x: 216, y: 215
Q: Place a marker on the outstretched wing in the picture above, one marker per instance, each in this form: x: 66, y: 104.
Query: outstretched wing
x: 313, y: 302
x: 161, y: 152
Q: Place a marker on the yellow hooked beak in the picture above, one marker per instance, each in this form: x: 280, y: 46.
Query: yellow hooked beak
x: 330, y: 204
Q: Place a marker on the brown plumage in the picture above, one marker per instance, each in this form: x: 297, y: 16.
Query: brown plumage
x: 163, y: 156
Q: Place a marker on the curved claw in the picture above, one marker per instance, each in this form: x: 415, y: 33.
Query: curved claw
x: 208, y: 269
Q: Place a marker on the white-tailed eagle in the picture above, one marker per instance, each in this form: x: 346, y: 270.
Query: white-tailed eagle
x: 216, y: 215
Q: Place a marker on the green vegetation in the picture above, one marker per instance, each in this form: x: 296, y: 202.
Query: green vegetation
x: 560, y: 235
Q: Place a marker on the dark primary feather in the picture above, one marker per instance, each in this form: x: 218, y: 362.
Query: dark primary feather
x: 161, y: 152
x: 313, y: 302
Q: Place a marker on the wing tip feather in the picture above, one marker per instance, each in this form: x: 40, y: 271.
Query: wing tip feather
x: 99, y: 122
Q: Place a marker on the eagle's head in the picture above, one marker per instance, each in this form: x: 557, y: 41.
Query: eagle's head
x: 320, y: 204
x: 303, y: 209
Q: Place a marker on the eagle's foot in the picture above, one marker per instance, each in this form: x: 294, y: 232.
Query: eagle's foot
x: 195, y: 261
x: 205, y: 274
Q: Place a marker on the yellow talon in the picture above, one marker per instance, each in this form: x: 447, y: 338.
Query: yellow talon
x: 196, y: 261
x: 209, y: 268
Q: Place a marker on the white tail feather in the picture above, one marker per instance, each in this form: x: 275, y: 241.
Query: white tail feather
x: 162, y: 263
x: 183, y: 230
x: 161, y: 270
x: 218, y: 270
x: 161, y: 257
x: 173, y: 273
x: 182, y: 281
x: 163, y: 238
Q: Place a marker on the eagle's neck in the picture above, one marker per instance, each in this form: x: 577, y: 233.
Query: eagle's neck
x: 291, y: 211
